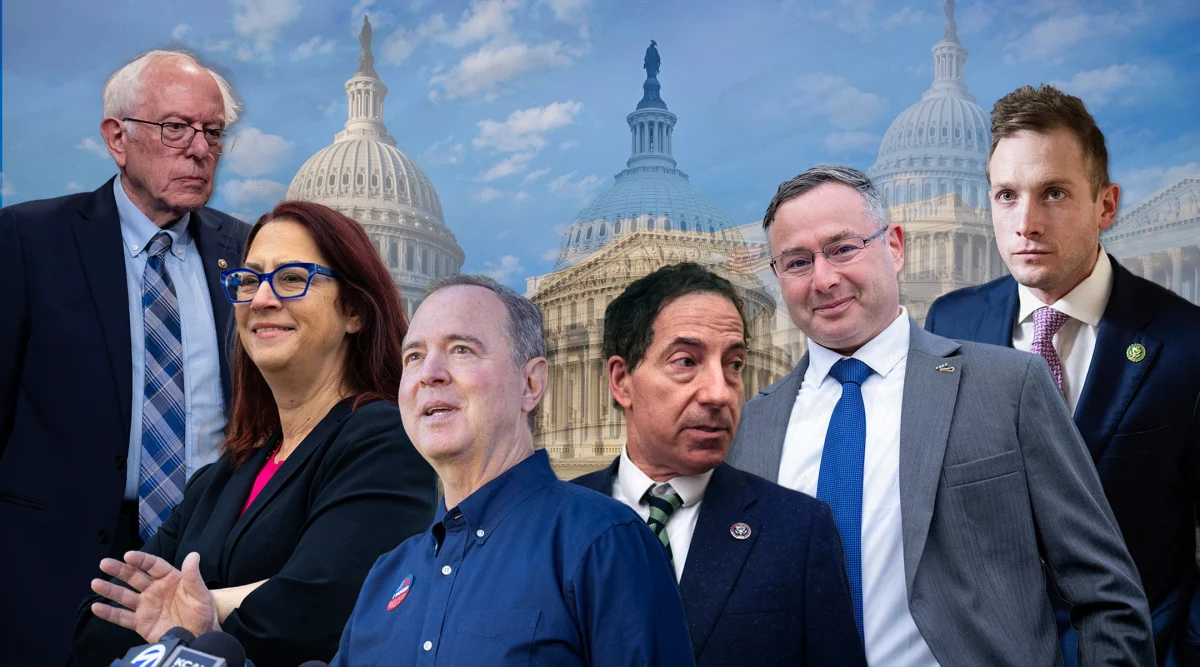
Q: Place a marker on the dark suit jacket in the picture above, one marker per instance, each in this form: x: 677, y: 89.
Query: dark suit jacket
x: 778, y: 597
x: 1141, y: 421
x: 65, y: 397
x: 353, y: 490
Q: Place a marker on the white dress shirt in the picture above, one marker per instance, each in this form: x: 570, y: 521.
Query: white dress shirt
x: 891, y: 635
x: 1076, y: 340
x: 631, y: 484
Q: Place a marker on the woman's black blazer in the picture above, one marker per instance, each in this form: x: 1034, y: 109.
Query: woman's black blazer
x: 353, y: 490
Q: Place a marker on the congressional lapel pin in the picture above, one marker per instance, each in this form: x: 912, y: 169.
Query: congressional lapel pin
x: 223, y: 264
x: 739, y: 530
x: 1135, y: 352
x: 944, y: 367
x: 400, y: 593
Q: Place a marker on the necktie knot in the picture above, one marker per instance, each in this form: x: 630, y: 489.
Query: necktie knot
x: 159, y: 245
x: 850, y: 370
x: 1047, y: 321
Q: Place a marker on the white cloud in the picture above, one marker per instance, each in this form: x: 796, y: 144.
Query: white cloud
x: 525, y: 129
x: 504, y: 233
x: 975, y: 18
x: 521, y: 195
x: 90, y: 145
x: 853, y: 16
x: 358, y: 10
x: 1094, y: 86
x: 513, y: 164
x: 402, y: 42
x: 481, y: 73
x: 905, y: 17
x: 852, y: 141
x: 504, y: 269
x: 179, y: 31
x: 240, y: 193
x: 550, y: 255
x: 1137, y: 184
x: 483, y: 20
x: 312, y: 47
x: 843, y: 105
x: 443, y: 151
x: 332, y: 107
x: 74, y: 186
x: 255, y: 153
x: 6, y: 187
x: 260, y: 21
x: 583, y: 188
x: 218, y: 45
x: 1050, y: 40
x: 568, y: 144
x: 568, y: 11
x: 534, y: 175
x: 486, y: 195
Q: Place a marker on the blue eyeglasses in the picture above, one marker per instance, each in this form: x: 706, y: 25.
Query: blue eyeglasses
x: 289, y: 281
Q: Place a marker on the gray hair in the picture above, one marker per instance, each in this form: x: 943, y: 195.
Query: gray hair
x: 814, y: 177
x: 122, y: 90
x: 525, y: 333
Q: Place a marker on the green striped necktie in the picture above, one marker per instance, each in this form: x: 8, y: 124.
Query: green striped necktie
x: 663, y: 504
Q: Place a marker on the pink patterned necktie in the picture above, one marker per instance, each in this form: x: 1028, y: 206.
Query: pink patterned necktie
x: 1046, y: 323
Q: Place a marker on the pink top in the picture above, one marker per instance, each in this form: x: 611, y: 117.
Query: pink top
x: 261, y: 480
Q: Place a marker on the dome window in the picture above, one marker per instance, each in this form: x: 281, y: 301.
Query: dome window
x: 358, y: 180
x: 968, y: 134
x: 589, y: 235
x: 308, y: 185
x: 602, y: 227
x: 945, y: 133
x: 374, y: 180
x: 345, y: 179
x: 683, y: 225
x: 617, y: 227
x: 957, y: 133
x: 389, y: 184
x: 920, y: 132
x: 910, y: 134
x: 332, y: 180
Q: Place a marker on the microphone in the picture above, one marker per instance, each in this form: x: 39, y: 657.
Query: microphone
x: 154, y: 654
x: 211, y: 649
x: 314, y: 663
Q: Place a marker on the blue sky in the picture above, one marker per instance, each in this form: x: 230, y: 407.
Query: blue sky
x: 516, y: 108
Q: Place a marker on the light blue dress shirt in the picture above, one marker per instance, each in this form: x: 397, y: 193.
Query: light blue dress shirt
x: 203, y: 403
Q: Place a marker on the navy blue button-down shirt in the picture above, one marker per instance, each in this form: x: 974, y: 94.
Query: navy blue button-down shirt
x: 528, y: 570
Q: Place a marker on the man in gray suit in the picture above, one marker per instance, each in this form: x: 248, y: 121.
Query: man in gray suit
x: 956, y: 477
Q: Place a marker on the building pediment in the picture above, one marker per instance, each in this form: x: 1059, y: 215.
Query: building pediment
x: 1176, y: 203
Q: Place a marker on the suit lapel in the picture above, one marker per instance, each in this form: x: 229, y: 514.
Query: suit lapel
x: 768, y: 424
x: 291, y: 467
x: 102, y: 254
x: 928, y: 408
x: 216, y: 244
x: 1112, y: 378
x: 715, y: 557
x: 995, y: 325
x: 226, y: 512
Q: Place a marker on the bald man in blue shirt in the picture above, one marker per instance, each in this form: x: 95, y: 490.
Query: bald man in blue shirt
x: 518, y: 567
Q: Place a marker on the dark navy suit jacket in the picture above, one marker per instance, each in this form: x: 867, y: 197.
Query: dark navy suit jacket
x: 1141, y: 421
x: 65, y: 392
x: 780, y: 596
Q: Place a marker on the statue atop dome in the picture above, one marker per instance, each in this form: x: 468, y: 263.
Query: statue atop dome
x: 366, y: 60
x: 651, y: 62
x: 951, y: 28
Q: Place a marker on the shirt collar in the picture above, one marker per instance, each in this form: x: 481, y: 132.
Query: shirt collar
x: 634, y: 483
x: 882, y: 353
x: 137, y: 230
x: 484, y: 509
x: 1085, y: 303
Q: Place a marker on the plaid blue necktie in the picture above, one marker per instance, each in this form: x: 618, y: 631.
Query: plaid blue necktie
x: 841, y: 478
x: 161, y: 478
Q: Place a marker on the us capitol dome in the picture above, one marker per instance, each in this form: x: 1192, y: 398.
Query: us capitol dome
x: 365, y: 177
x: 650, y: 193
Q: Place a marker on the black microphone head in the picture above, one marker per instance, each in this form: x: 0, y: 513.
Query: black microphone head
x: 185, y: 636
x: 222, y: 645
x: 314, y: 663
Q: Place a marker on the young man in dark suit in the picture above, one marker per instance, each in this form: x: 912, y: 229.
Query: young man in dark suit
x: 1122, y: 349
x: 760, y: 567
x: 114, y: 380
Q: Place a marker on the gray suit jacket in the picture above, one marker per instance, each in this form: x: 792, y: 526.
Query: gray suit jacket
x: 995, y: 482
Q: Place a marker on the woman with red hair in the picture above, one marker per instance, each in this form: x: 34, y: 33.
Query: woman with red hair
x: 317, y: 478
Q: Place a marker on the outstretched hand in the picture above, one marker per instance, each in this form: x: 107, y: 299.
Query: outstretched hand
x: 162, y: 597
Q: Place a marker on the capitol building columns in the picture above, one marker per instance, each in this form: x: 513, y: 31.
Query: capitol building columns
x: 1159, y: 238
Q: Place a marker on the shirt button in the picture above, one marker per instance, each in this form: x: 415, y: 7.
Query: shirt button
x: 135, y: 248
x: 446, y: 569
x: 479, y: 533
x: 427, y: 646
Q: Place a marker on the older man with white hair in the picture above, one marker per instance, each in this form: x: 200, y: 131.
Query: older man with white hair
x: 114, y: 379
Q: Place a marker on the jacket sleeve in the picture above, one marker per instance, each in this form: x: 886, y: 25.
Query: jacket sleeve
x: 97, y: 642
x: 373, y: 492
x: 14, y: 323
x: 830, y: 634
x: 627, y: 603
x: 1081, y: 543
x: 1186, y: 645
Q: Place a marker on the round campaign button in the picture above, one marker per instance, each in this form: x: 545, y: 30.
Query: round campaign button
x: 739, y: 530
x: 401, y: 592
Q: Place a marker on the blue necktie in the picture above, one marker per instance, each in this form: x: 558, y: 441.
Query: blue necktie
x: 841, y: 478
x: 161, y: 478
